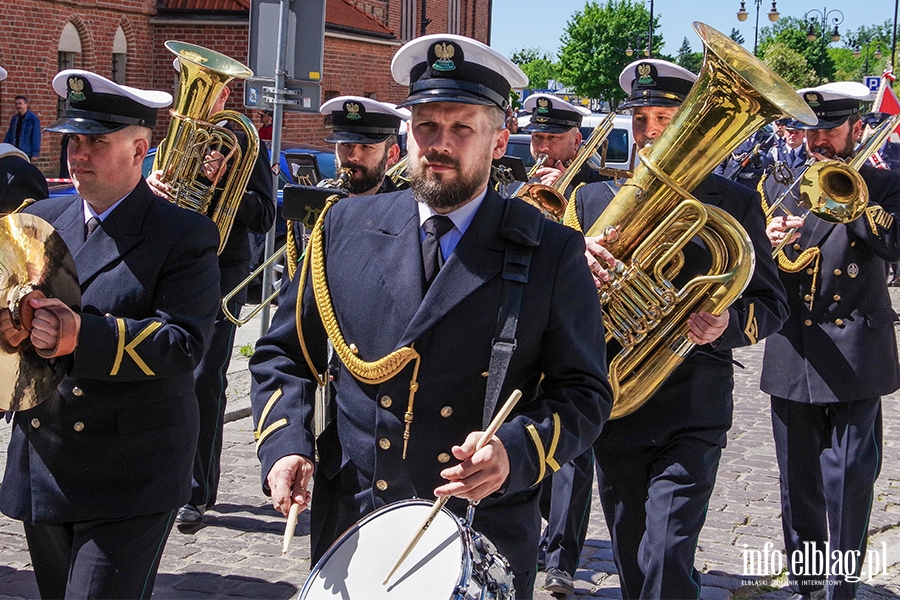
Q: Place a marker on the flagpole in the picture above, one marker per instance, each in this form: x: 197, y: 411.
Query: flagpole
x: 894, y: 36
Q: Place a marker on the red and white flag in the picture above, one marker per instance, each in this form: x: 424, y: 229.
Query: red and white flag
x: 886, y: 100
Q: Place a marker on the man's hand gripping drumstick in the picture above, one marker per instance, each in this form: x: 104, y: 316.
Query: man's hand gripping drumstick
x: 468, y: 468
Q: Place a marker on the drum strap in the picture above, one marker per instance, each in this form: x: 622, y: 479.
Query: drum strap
x: 522, y: 228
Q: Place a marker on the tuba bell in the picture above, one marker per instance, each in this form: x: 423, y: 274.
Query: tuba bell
x: 194, y: 132
x: 655, y: 216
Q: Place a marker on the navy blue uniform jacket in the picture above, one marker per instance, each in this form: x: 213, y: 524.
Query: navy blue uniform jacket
x: 374, y: 269
x: 696, y: 400
x: 117, y: 438
x: 839, y: 344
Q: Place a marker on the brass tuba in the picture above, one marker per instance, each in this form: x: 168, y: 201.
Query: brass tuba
x: 655, y: 216
x: 194, y: 132
x: 551, y: 199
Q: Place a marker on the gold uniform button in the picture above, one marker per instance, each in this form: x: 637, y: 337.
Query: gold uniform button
x: 837, y: 272
x: 384, y: 443
x: 809, y: 271
x: 808, y: 322
x: 79, y: 426
x: 446, y: 411
x: 354, y: 349
x: 798, y: 247
x: 839, y: 322
x: 443, y: 457
x: 77, y: 391
x: 807, y: 297
x: 35, y: 423
x: 386, y: 401
x: 837, y: 298
x: 853, y: 243
x: 381, y: 484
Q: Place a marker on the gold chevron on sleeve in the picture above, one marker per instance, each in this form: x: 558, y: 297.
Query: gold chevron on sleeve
x: 261, y: 434
x: 554, y: 441
x: 539, y: 447
x: 751, y: 330
x: 878, y: 218
x: 131, y: 347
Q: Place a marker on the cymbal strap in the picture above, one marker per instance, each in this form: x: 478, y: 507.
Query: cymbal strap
x: 67, y: 339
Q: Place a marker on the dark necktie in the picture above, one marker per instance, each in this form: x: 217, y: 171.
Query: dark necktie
x: 90, y: 226
x: 435, y: 227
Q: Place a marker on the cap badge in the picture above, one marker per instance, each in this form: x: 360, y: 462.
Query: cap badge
x: 541, y: 120
x: 812, y: 99
x: 543, y: 106
x: 445, y: 53
x: 352, y: 109
x: 644, y: 71
x: 76, y: 89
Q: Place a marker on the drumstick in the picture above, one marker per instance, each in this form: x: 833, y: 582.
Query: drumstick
x: 289, y: 528
x: 440, y: 502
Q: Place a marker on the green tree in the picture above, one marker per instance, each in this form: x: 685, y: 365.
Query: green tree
x: 790, y: 64
x: 736, y: 35
x: 538, y: 65
x: 860, y: 44
x: 792, y: 32
x: 689, y: 59
x: 592, y: 53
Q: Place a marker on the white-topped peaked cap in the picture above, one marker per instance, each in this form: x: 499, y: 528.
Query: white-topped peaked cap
x: 833, y: 103
x: 444, y: 67
x: 359, y: 120
x: 655, y: 82
x: 95, y: 105
x: 550, y: 114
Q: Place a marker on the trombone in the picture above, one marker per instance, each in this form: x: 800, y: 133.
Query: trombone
x: 289, y: 248
x: 834, y: 190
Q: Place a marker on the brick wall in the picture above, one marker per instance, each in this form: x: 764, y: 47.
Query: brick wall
x: 30, y: 54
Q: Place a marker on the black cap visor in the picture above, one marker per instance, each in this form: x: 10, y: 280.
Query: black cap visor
x: 351, y: 137
x: 80, y: 126
x: 533, y: 127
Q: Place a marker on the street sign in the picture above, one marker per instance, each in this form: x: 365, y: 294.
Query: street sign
x: 305, y: 41
x: 299, y: 96
x: 872, y: 82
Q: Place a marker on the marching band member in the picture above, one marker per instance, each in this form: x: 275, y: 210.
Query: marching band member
x: 364, y: 133
x: 422, y: 272
x: 793, y: 151
x: 97, y: 471
x: 828, y: 367
x: 555, y: 132
x: 256, y: 212
x: 656, y: 467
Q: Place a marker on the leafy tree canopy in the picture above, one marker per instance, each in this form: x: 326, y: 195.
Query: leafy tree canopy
x: 790, y: 64
x: 594, y: 42
x: 689, y: 59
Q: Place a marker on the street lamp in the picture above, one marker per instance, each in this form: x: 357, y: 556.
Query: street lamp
x: 865, y: 40
x: 742, y: 15
x: 650, y: 33
x: 826, y: 16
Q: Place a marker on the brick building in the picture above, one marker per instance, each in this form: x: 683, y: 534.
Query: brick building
x: 123, y: 40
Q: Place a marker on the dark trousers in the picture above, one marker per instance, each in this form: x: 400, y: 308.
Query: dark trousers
x: 655, y: 499
x: 98, y: 559
x: 566, y: 505
x: 210, y: 382
x: 829, y: 456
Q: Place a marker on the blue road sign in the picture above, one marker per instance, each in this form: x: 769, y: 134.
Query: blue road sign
x: 872, y: 82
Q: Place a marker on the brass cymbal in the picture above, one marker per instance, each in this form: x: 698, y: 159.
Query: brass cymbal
x: 33, y: 258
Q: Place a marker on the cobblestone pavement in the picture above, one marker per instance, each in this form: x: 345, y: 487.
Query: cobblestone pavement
x: 236, y: 553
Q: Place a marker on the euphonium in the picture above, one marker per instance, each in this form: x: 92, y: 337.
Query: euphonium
x: 551, y: 199
x: 655, y: 216
x: 194, y: 133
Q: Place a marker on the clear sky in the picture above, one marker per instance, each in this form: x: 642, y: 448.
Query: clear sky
x: 535, y: 24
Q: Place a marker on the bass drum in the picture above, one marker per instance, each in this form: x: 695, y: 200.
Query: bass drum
x: 450, y: 561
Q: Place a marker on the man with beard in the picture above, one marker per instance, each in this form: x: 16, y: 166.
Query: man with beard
x: 828, y: 367
x: 555, y: 133
x: 436, y: 276
x: 364, y: 133
x: 656, y: 467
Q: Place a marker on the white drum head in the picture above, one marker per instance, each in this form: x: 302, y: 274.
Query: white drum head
x: 356, y: 565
